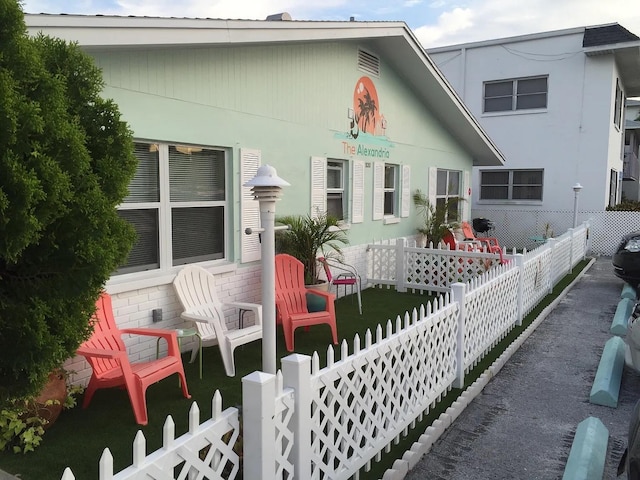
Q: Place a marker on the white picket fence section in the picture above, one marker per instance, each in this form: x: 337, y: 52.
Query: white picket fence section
x: 205, y: 451
x: 346, y: 414
x: 315, y: 423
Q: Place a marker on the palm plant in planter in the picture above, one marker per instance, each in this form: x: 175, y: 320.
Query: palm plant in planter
x: 436, y: 218
x: 307, y: 237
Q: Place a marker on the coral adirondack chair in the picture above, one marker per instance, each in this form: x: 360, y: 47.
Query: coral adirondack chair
x: 106, y: 353
x: 196, y: 290
x: 291, y: 300
x: 491, y: 243
x: 459, y: 240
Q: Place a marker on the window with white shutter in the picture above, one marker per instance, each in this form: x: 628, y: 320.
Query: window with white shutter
x: 249, y: 206
x: 357, y: 206
x: 318, y: 186
x: 378, y: 190
x: 406, y: 191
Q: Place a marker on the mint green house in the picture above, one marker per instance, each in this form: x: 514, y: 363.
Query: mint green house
x: 355, y: 116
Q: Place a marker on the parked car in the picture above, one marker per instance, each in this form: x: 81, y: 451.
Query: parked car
x: 626, y: 260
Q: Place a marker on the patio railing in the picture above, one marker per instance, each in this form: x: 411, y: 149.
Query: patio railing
x: 330, y: 422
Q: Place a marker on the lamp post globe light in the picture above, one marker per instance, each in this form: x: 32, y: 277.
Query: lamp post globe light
x: 266, y: 187
x: 576, y: 191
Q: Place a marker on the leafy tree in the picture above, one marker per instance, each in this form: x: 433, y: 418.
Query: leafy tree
x: 66, y: 159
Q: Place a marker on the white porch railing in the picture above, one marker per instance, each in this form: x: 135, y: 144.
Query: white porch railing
x: 331, y: 422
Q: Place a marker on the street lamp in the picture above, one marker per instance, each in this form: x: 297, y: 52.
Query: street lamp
x: 266, y: 188
x: 576, y: 191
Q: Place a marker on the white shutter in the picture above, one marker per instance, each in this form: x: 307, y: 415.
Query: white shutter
x: 357, y: 188
x: 249, y: 207
x: 433, y: 185
x: 466, y: 195
x: 378, y: 190
x: 318, y: 186
x: 405, y: 201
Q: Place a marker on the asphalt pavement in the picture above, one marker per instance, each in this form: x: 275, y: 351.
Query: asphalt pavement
x: 521, y: 426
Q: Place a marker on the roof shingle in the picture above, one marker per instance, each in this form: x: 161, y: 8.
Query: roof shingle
x: 607, y: 35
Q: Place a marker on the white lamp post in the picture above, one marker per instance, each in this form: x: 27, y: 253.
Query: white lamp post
x: 576, y: 191
x: 266, y: 188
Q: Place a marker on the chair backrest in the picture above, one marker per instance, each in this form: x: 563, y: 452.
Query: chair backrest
x: 290, y: 289
x: 467, y: 231
x: 105, y: 336
x: 327, y: 270
x: 196, y: 291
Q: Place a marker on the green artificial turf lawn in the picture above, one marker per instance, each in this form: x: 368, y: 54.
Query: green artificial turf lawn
x: 79, y: 436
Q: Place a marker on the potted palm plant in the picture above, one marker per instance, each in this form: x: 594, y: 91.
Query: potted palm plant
x: 438, y: 219
x: 308, y: 237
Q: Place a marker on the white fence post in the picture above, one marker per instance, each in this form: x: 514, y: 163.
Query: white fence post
x: 401, y: 277
x: 571, y: 233
x: 458, y: 290
x: 296, y: 373
x: 259, y: 435
x: 552, y: 244
x: 519, y: 259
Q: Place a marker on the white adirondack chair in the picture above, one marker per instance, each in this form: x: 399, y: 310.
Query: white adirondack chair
x: 195, y: 288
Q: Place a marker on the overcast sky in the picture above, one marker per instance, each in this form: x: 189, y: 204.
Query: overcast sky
x: 435, y: 22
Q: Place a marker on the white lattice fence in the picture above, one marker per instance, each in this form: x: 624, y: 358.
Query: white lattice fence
x: 205, y: 451
x: 514, y: 227
x: 381, y: 263
x: 491, y: 311
x: 536, y: 278
x: 361, y: 403
x: 431, y: 269
x: 561, y: 261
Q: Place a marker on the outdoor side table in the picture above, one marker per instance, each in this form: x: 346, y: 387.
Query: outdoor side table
x: 186, y: 333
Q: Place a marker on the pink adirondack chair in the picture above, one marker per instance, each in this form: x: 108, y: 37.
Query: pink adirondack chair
x: 106, y: 353
x: 291, y: 300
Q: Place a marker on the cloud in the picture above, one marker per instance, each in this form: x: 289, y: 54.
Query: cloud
x: 449, y: 24
x: 487, y: 19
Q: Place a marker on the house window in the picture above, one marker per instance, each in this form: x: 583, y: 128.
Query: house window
x: 183, y: 223
x: 619, y: 102
x: 448, y: 193
x: 511, y: 185
x: 518, y: 94
x: 390, y: 190
x: 336, y: 188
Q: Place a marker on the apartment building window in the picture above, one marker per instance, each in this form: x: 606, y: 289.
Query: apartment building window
x: 390, y: 189
x: 336, y: 188
x: 448, y: 193
x: 516, y: 94
x: 619, y: 103
x: 511, y: 185
x: 182, y: 219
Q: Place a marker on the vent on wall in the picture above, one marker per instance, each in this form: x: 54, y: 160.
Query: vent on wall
x: 367, y: 62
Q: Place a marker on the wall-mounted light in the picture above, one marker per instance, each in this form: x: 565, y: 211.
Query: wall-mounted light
x: 350, y: 113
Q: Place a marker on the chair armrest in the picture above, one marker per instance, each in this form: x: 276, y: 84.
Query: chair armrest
x: 326, y: 295
x: 256, y: 308
x: 195, y: 317
x: 100, y: 353
x: 150, y: 332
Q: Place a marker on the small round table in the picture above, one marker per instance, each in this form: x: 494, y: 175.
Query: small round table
x: 186, y: 333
